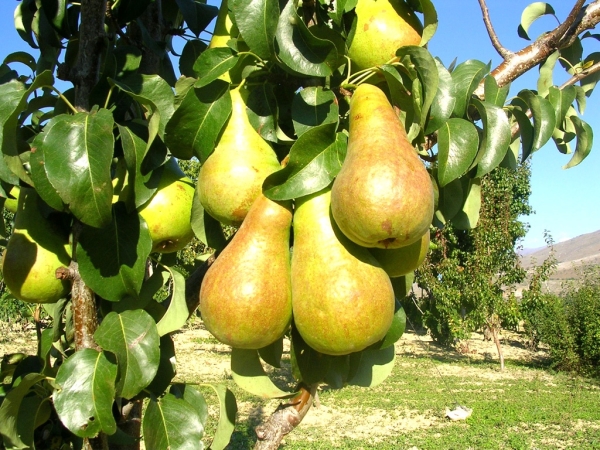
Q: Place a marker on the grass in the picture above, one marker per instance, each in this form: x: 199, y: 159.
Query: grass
x: 525, y: 407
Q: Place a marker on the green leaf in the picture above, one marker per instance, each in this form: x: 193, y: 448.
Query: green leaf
x: 205, y: 227
x: 271, y: 354
x: 430, y: 19
x: 458, y: 142
x: 262, y: 111
x: 494, y: 94
x: 132, y: 336
x: 227, y: 413
x: 11, y: 426
x: 443, y: 102
x: 396, y: 329
x: 545, y: 81
x: 561, y: 100
x: 530, y: 14
x: 257, y: 21
x: 313, y: 106
x: 428, y: 73
x: 131, y: 9
x: 56, y: 14
x: 196, y: 124
x: 155, y: 94
x: 544, y: 119
x: 24, y: 14
x: 467, y: 218
x: 525, y: 131
x: 585, y: 140
x: 315, y: 160
x: 213, y: 63
x: 298, y: 49
x: 374, y: 366
x: 112, y: 259
x: 171, y: 423
x: 79, y: 172
x: 177, y: 312
x: 21, y: 57
x: 197, y: 15
x: 466, y: 77
x: 496, y: 136
x: 190, y: 53
x: 193, y: 397
x: 87, y: 392
x: 248, y: 373
x: 450, y: 202
x: 166, y: 367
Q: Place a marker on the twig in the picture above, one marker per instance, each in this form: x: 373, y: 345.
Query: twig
x: 502, y: 51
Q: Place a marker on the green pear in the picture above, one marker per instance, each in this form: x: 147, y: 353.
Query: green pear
x: 382, y: 196
x: 223, y: 26
x: 168, y: 212
x: 245, y: 297
x: 382, y: 27
x: 401, y: 261
x: 33, y: 253
x: 343, y: 301
x: 231, y: 177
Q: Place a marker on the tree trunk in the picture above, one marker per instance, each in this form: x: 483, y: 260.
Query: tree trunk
x: 498, y: 346
x: 287, y: 417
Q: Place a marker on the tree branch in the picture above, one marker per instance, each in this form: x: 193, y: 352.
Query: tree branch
x: 502, y: 51
x: 283, y: 421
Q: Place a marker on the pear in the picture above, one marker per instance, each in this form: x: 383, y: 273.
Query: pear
x: 223, y: 26
x: 382, y: 196
x: 168, y: 212
x: 343, y: 301
x: 245, y: 297
x: 382, y: 27
x: 401, y: 261
x: 231, y: 177
x: 33, y: 253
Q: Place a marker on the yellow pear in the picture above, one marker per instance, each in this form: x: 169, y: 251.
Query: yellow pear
x: 33, y: 253
x: 382, y: 196
x: 223, y: 26
x: 168, y: 212
x: 382, y: 27
x: 245, y: 298
x: 401, y: 261
x: 231, y: 177
x: 343, y: 301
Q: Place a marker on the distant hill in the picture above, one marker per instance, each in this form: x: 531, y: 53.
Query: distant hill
x: 572, y: 256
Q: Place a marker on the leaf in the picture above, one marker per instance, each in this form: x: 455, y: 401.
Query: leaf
x: 428, y: 73
x: 374, y: 366
x: 131, y: 9
x: 545, y: 81
x: 171, y: 423
x: 248, y: 373
x: 530, y: 14
x: 525, y: 131
x: 22, y: 57
x: 213, y: 63
x: 430, y: 19
x: 196, y: 124
x: 23, y: 16
x: 466, y: 77
x: 193, y: 397
x: 494, y: 94
x: 78, y: 172
x: 87, y: 392
x: 132, y: 336
x: 467, y: 218
x: 190, y: 53
x: 56, y: 14
x: 177, y: 313
x: 561, y: 100
x: 451, y: 201
x: 544, y: 119
x: 262, y: 111
x: 271, y: 354
x: 112, y: 260
x: 166, y: 367
x: 458, y: 142
x: 298, y: 49
x: 313, y: 106
x: 315, y: 160
x: 257, y: 21
x: 227, y: 413
x: 443, y: 102
x: 197, y: 15
x: 10, y: 425
x: 496, y: 136
x: 205, y: 227
x: 585, y: 139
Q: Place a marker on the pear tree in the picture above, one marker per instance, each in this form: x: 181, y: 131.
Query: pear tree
x: 269, y: 103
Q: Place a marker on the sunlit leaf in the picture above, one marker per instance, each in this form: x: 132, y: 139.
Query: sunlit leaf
x: 227, y: 413
x: 561, y: 100
x: 496, y: 136
x: 494, y: 94
x: 443, y: 102
x: 545, y: 81
x: 177, y: 312
x: 530, y: 14
x: 249, y: 374
x: 544, y: 118
x: 313, y: 106
x: 257, y: 21
x: 585, y: 139
x: 374, y: 366
x: 466, y: 77
x: 467, y: 218
x: 213, y: 63
x: 458, y: 142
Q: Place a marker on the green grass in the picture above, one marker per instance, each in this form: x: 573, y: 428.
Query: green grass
x: 525, y: 407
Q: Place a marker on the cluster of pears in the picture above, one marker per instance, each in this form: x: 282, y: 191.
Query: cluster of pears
x: 39, y: 245
x: 348, y: 240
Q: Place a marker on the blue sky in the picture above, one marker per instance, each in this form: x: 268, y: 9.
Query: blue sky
x: 566, y: 202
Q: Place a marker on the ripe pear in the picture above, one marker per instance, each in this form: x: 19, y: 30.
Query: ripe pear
x: 382, y: 27
x: 223, y: 25
x: 245, y: 298
x: 231, y: 177
x: 382, y: 196
x: 343, y: 301
x: 33, y: 253
x: 168, y: 212
x: 401, y: 261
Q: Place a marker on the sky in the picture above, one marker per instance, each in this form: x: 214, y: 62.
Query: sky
x: 565, y: 202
